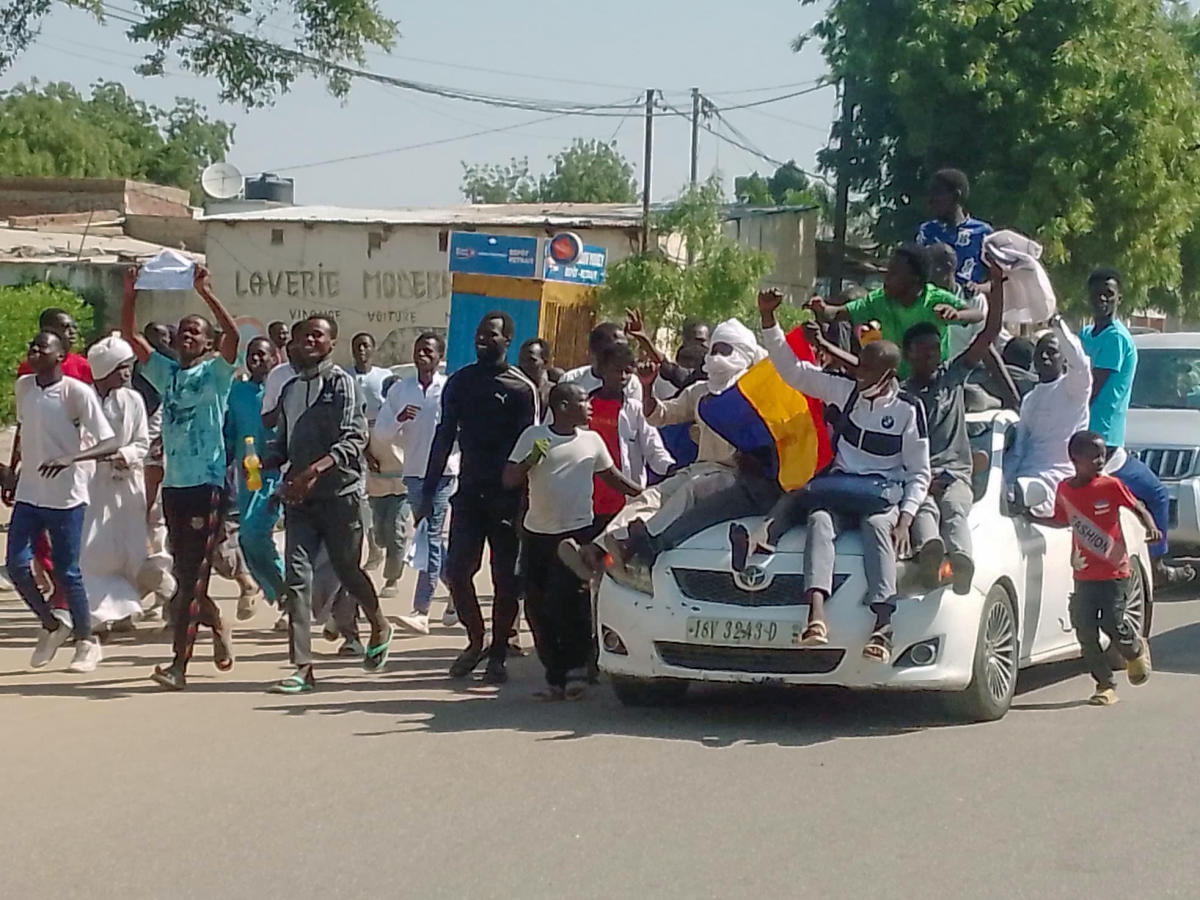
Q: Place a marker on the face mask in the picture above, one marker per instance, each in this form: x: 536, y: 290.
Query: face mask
x: 879, y: 388
x: 722, y: 371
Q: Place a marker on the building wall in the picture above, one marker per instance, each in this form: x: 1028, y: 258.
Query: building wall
x: 391, y: 281
x: 790, y: 237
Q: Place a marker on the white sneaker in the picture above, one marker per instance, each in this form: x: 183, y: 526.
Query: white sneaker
x: 416, y: 621
x: 87, y: 656
x: 48, y: 643
x: 6, y: 585
x: 450, y: 617
x: 389, y: 590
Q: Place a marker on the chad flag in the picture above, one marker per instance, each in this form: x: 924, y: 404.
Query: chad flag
x: 762, y: 414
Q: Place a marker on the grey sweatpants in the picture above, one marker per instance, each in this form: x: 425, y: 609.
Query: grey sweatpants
x: 335, y: 523
x: 945, y: 515
x: 879, y: 555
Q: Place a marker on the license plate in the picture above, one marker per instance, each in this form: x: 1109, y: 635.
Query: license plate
x: 742, y: 632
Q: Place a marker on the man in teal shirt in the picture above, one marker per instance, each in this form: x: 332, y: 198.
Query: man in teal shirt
x: 1109, y: 345
x: 906, y: 299
x: 256, y: 515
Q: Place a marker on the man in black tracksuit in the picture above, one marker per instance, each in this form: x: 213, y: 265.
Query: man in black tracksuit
x: 322, y: 435
x: 485, y: 407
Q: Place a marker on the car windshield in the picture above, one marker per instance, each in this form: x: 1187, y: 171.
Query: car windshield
x: 1167, y: 379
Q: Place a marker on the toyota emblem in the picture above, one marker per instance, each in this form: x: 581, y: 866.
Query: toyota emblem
x: 751, y: 578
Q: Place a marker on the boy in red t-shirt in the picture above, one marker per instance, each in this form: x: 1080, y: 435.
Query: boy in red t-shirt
x: 1090, y: 504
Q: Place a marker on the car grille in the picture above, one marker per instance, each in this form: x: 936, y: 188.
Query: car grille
x: 719, y: 587
x: 1169, y: 464
x: 818, y: 661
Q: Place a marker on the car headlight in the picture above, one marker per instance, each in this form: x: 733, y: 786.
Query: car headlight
x: 633, y: 575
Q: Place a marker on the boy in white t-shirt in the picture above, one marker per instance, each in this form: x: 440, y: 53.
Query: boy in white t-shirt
x: 51, y: 493
x: 559, y: 462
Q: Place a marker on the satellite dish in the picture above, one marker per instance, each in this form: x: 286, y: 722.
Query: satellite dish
x: 222, y: 181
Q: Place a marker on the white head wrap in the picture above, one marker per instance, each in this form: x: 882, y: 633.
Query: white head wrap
x: 723, y: 371
x: 108, y: 353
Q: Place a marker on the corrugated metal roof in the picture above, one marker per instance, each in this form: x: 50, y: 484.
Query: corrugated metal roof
x: 22, y: 245
x: 558, y: 215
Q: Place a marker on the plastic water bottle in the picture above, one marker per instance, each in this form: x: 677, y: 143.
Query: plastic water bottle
x: 253, y: 466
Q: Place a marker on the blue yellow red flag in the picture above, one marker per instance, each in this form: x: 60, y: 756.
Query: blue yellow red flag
x: 763, y: 415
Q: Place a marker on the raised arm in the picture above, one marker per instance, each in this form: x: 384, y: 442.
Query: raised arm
x: 1079, y: 367
x: 129, y: 329
x: 978, y: 349
x: 229, y: 329
x: 803, y: 376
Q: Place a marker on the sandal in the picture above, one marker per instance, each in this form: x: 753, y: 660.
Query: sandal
x: 879, y: 646
x: 577, y: 684
x: 223, y: 657
x: 815, y: 635
x: 294, y: 684
x: 549, y: 694
x: 376, y: 656
x: 170, y: 677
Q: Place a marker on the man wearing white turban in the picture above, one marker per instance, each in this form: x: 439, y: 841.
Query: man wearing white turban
x: 113, y: 556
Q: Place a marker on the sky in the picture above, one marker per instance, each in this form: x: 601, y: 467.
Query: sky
x: 734, y: 53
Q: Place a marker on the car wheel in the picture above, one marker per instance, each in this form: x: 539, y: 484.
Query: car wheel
x: 648, y: 692
x: 994, y: 672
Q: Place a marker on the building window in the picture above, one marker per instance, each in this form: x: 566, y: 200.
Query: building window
x: 276, y: 236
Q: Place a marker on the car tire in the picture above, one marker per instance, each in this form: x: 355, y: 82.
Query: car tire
x: 647, y: 691
x: 994, y: 670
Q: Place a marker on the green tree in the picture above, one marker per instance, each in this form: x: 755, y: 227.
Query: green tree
x: 721, y: 282
x: 1077, y: 123
x: 53, y: 130
x: 585, y: 172
x: 236, y: 42
x: 20, y: 307
x: 788, y: 185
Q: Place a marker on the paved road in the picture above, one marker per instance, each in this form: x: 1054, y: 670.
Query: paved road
x: 406, y: 785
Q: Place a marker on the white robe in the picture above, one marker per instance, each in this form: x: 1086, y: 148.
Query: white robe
x: 1050, y: 414
x: 114, y: 547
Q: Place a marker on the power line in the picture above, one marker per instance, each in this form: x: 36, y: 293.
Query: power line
x: 809, y: 90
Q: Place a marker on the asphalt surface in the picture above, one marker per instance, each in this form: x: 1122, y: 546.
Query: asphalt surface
x: 408, y: 785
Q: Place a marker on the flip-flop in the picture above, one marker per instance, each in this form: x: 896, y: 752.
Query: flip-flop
x: 549, y: 694
x: 879, y: 646
x: 739, y: 546
x: 376, y: 656
x: 293, y: 684
x: 815, y: 635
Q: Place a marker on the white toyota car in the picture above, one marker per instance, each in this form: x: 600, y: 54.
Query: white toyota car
x: 696, y: 620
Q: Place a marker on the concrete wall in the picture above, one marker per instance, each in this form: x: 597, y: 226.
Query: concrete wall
x: 391, y: 281
x: 791, y: 238
x: 24, y: 196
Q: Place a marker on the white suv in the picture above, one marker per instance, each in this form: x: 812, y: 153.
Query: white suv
x: 1163, y: 429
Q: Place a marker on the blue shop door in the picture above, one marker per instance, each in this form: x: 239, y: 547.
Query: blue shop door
x: 465, y: 312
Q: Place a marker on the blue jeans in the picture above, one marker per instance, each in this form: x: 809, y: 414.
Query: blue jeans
x: 1144, y: 485
x: 389, y: 531
x: 437, y: 527
x: 65, y: 527
x: 256, y: 530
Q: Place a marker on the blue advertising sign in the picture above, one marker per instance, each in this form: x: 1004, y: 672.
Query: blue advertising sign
x: 587, y: 269
x: 493, y: 254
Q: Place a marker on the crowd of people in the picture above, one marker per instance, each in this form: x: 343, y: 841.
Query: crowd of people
x: 163, y: 454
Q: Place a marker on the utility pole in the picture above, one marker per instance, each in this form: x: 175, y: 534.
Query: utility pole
x: 842, y: 207
x: 695, y: 132
x: 646, y: 169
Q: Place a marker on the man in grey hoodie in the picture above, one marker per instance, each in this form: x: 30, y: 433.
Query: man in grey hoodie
x: 322, y: 435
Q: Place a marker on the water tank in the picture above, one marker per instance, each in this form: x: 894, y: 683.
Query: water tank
x: 271, y: 187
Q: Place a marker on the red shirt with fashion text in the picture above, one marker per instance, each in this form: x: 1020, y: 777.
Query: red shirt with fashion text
x: 1098, y: 551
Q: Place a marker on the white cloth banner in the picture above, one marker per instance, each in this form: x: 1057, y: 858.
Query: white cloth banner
x: 1028, y: 294
x: 169, y: 271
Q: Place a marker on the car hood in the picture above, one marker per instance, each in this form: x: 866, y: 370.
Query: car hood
x: 1162, y: 428
x: 716, y: 539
